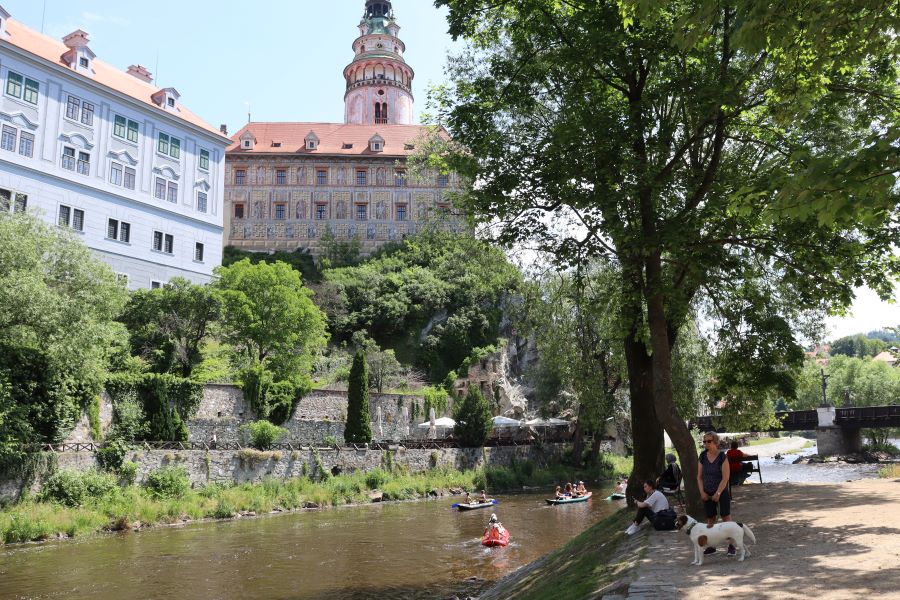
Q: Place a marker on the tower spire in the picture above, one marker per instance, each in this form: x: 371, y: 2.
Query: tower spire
x: 379, y: 82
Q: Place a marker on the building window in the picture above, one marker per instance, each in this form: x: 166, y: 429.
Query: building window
x: 125, y: 129
x: 71, y: 218
x: 155, y: 285
x: 79, y: 110
x: 26, y: 144
x: 5, y: 200
x: 381, y: 113
x: 8, y: 138
x: 198, y: 252
x: 311, y: 144
x: 168, y: 145
x: 84, y: 63
x: 118, y: 230
x: 401, y: 213
x: 163, y: 242
x: 7, y: 203
x: 279, y: 212
x: 172, y: 192
x: 320, y: 212
x: 281, y: 176
x: 361, y: 212
x: 31, y: 91
x: 321, y: 176
x: 201, y: 202
x: 238, y: 211
x: 240, y: 176
x: 14, y: 85
x: 400, y: 178
x: 361, y: 177
x: 84, y: 163
x: 130, y: 176
x: 160, y: 193
x: 68, y: 158
x: 21, y: 202
x: 204, y: 160
x: 171, y: 102
x: 443, y: 180
x: 115, y: 173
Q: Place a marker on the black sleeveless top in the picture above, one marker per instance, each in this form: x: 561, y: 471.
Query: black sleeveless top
x: 712, y: 471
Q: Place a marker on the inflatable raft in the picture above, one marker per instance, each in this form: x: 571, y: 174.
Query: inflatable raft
x: 572, y: 500
x: 464, y: 506
x: 495, y: 537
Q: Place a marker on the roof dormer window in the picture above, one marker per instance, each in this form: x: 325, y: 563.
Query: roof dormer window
x: 166, y: 98
x: 312, y: 141
x: 3, y: 17
x: 170, y: 102
x: 376, y: 143
x: 84, y: 62
x: 247, y: 141
x: 78, y: 56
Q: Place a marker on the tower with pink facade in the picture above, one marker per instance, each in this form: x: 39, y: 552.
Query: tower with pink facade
x: 379, y: 82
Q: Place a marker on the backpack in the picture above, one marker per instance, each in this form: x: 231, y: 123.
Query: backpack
x: 664, y: 520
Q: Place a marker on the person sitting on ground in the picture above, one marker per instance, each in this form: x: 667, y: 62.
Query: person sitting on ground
x: 739, y: 470
x: 559, y: 493
x: 569, y: 489
x: 494, y: 523
x: 654, y: 503
x: 580, y: 490
x: 483, y: 497
x: 671, y: 477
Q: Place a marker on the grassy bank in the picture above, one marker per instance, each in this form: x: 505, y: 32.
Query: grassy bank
x: 889, y: 472
x: 595, y: 560
x: 73, y: 505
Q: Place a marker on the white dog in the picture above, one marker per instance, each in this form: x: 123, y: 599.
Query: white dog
x: 703, y: 537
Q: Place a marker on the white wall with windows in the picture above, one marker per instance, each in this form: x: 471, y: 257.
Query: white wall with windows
x: 114, y: 168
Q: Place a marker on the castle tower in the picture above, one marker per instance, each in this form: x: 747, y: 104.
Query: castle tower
x: 379, y: 82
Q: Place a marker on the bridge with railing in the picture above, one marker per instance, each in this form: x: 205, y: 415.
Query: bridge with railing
x: 837, y: 429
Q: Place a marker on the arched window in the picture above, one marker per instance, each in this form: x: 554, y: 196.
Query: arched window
x: 381, y: 113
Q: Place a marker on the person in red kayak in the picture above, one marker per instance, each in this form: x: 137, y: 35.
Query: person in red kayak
x: 494, y: 525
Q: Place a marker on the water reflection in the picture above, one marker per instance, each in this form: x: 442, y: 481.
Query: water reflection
x: 391, y: 551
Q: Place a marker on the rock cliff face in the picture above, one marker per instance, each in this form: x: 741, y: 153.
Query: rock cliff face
x: 501, y: 376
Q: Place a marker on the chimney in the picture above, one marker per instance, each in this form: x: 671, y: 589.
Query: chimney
x: 141, y: 73
x: 76, y: 39
x: 224, y: 129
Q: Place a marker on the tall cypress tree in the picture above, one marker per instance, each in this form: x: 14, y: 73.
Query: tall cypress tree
x: 473, y: 419
x: 358, y: 429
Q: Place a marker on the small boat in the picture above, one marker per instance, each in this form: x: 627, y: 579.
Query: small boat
x: 464, y: 506
x: 571, y: 500
x: 495, y: 537
x: 617, y: 496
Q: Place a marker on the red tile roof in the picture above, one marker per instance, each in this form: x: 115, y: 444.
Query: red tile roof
x: 51, y: 50
x: 333, y: 138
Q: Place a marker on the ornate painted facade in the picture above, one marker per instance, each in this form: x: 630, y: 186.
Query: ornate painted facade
x: 287, y: 184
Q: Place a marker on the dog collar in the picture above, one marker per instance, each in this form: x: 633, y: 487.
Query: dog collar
x: 688, y: 530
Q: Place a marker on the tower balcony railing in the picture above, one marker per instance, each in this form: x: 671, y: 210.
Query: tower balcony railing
x: 381, y: 82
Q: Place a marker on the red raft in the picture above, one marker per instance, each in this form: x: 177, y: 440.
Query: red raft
x: 495, y: 537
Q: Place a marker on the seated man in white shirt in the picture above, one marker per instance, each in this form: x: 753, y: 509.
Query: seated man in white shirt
x: 654, y: 503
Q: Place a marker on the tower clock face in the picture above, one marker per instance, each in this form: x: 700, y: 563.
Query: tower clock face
x: 381, y: 92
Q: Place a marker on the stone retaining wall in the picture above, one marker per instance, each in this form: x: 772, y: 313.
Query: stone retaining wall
x: 230, y: 466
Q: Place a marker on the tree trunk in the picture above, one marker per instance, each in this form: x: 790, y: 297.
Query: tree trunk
x: 646, y: 430
x: 577, y: 442
x: 666, y: 411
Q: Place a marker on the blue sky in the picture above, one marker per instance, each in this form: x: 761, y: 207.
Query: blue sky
x: 284, y: 57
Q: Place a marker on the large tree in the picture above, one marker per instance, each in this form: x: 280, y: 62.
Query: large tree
x: 699, y: 145
x: 358, y: 428
x: 57, y: 305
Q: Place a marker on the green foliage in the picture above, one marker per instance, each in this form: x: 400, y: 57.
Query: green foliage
x: 385, y: 370
x: 473, y: 419
x: 74, y: 488
x: 111, y: 456
x: 57, y: 329
x: 167, y: 326
x: 168, y: 482
x: 14, y: 427
x: 862, y: 381
x: 301, y: 260
x: 270, y: 322
x: 431, y: 298
x: 358, y: 429
x: 165, y: 401
x: 93, y: 413
x: 337, y: 254
x: 281, y: 399
x: 436, y: 398
x: 128, y: 473
x: 858, y: 346
x: 262, y: 435
x: 377, y: 478
x: 215, y: 367
x: 330, y: 440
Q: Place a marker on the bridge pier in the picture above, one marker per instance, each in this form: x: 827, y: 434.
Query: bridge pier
x: 833, y: 439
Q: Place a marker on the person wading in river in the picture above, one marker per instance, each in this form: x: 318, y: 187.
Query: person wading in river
x: 712, y: 477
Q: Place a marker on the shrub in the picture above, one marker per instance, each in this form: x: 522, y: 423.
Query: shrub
x: 358, y: 429
x: 73, y: 488
x: 128, y: 473
x: 93, y: 413
x: 168, y: 482
x: 330, y: 440
x: 262, y: 434
x: 112, y: 455
x: 281, y: 398
x: 376, y: 478
x: 473, y: 419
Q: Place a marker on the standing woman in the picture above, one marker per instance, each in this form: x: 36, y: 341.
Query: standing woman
x: 712, y: 477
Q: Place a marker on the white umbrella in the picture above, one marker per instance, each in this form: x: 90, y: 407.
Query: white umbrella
x: 432, y: 431
x: 552, y: 422
x: 378, y: 421
x: 405, y: 418
x: 442, y: 423
x: 505, y: 422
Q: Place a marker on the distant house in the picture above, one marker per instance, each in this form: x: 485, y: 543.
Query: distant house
x: 886, y: 357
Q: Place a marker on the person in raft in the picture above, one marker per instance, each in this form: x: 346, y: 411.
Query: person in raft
x: 569, y: 489
x: 621, y: 487
x: 483, y: 497
x: 580, y: 490
x: 559, y: 493
x: 655, y: 502
x: 469, y: 499
x: 494, y: 524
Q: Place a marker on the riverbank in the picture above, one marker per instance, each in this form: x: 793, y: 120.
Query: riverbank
x: 91, y: 503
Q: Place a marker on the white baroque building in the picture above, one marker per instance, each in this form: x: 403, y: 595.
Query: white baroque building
x: 109, y: 155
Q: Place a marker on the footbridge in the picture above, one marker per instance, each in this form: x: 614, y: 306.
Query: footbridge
x: 837, y: 429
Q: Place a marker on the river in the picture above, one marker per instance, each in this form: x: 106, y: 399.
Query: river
x: 408, y: 551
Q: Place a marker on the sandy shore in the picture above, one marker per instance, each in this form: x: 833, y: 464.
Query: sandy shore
x: 828, y: 542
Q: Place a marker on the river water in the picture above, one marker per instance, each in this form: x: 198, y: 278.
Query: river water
x: 401, y: 551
